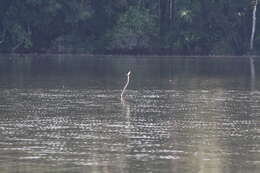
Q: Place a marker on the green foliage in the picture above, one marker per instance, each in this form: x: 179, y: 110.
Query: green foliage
x: 35, y: 24
x: 20, y: 36
x: 205, y: 25
x: 189, y: 26
x: 136, y: 28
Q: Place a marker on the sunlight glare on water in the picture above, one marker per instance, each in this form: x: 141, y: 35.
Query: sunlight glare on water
x: 156, y: 129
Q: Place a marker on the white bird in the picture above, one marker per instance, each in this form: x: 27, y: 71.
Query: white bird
x: 127, y: 82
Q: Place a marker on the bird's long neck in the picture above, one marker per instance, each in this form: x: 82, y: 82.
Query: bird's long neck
x: 127, y: 82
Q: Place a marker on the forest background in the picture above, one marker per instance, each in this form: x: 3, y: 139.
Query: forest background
x: 157, y: 27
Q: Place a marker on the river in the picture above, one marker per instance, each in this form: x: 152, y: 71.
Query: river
x: 63, y: 114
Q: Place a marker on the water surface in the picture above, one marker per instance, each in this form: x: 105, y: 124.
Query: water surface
x: 63, y: 114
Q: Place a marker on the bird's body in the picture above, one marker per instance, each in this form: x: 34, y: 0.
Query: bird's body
x: 127, y: 82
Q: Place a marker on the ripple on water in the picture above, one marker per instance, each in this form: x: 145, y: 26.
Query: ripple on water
x: 91, y: 127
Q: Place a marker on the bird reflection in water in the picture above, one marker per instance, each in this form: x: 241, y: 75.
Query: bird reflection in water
x: 125, y: 104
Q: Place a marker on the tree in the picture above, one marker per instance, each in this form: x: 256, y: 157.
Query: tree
x: 135, y: 29
x: 35, y: 24
x: 182, y: 26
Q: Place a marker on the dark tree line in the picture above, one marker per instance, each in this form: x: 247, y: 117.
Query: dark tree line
x: 128, y: 26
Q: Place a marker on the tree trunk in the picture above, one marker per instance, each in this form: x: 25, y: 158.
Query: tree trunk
x: 159, y: 13
x: 17, y: 46
x: 205, y: 12
x: 170, y: 4
x: 3, y: 37
x: 163, y: 16
x: 166, y: 10
x: 253, y: 26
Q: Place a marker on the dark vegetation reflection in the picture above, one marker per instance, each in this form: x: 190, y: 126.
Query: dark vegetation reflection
x: 108, y: 72
x: 193, y: 114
